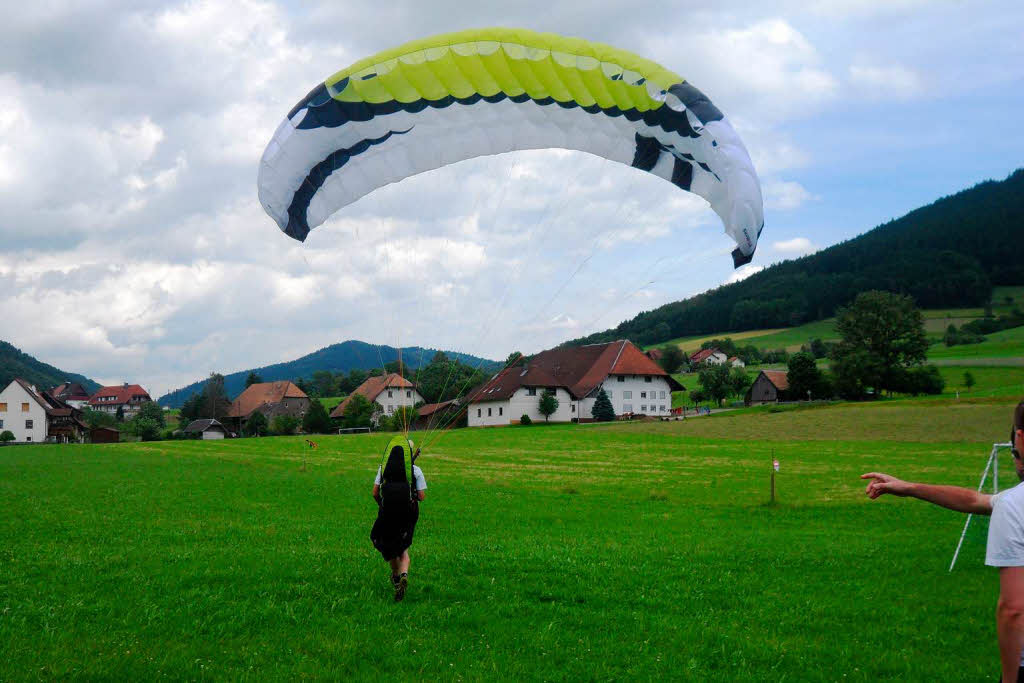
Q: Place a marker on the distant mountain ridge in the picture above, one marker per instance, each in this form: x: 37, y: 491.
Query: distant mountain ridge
x: 341, y: 357
x: 16, y: 363
x: 946, y: 254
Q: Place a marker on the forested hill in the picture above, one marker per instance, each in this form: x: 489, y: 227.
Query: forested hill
x: 947, y: 254
x: 16, y: 363
x: 343, y: 357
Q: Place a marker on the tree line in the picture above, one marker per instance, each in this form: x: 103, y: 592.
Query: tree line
x: 949, y: 253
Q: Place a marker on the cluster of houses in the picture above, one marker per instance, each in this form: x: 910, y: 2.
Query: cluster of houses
x: 634, y: 382
x: 35, y: 415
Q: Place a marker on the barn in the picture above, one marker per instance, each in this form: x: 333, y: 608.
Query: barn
x: 104, y: 435
x: 207, y: 430
x: 769, y: 387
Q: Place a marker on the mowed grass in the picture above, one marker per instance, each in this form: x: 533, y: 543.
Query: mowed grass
x: 625, y: 551
x: 1004, y: 344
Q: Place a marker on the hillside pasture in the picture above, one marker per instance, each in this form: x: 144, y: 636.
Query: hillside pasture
x: 566, y: 552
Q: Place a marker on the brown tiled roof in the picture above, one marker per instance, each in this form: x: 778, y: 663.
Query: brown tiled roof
x: 777, y: 377
x: 431, y: 408
x: 577, y: 369
x: 70, y: 391
x: 122, y: 394
x: 372, y: 388
x: 256, y: 395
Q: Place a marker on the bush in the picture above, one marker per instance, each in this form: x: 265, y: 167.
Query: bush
x: 284, y: 424
x: 525, y: 420
x: 8, y: 435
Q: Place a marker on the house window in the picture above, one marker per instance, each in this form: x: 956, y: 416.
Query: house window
x: 662, y: 395
x: 532, y: 391
x: 28, y: 438
x: 488, y: 412
x: 627, y: 394
x: 643, y: 409
x: 478, y: 412
x: 3, y: 407
x: 391, y: 409
x: 389, y: 395
x: 28, y: 424
x: 627, y: 407
x: 1, y: 424
x: 499, y: 410
x: 647, y: 379
x: 574, y: 407
x: 622, y: 378
x: 643, y: 394
x: 24, y: 407
x: 663, y: 409
x: 408, y: 394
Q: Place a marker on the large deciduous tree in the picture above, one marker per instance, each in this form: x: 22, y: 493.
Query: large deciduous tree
x: 804, y: 376
x: 882, y: 337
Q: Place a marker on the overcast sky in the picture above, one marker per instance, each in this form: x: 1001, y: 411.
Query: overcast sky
x: 133, y: 247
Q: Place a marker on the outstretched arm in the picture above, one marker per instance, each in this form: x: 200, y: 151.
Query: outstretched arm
x: 952, y: 497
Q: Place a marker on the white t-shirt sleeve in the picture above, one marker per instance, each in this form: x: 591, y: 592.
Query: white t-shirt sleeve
x: 1006, y: 530
x: 417, y: 473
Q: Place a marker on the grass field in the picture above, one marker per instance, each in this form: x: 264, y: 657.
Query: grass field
x: 624, y: 551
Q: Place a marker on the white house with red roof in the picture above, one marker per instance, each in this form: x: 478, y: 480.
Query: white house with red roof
x: 390, y: 392
x: 635, y: 384
x: 130, y: 397
x: 35, y: 416
x: 708, y: 357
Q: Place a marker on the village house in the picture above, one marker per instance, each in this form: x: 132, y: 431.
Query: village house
x: 769, y: 387
x: 35, y: 416
x: 437, y: 415
x: 72, y: 393
x: 737, y: 362
x: 635, y: 384
x: 269, y: 398
x: 708, y: 357
x: 390, y: 392
x: 128, y: 397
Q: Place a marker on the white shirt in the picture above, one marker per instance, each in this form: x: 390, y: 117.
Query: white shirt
x: 417, y: 473
x: 1006, y: 531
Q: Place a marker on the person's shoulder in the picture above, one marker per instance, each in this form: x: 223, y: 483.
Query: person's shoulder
x: 1012, y: 496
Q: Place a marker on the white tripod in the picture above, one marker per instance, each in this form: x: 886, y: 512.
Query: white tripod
x: 993, y: 465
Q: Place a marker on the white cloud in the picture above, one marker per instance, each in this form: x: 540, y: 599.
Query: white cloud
x: 798, y: 246
x: 742, y: 273
x: 784, y: 195
x: 891, y: 80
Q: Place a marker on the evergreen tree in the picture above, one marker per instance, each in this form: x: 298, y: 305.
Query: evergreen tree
x: 252, y: 378
x: 215, y: 398
x: 603, y: 411
x: 968, y: 380
x: 804, y: 376
x: 548, y: 404
x: 316, y: 420
x: 119, y: 415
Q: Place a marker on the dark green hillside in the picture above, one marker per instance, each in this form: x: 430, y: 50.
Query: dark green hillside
x: 947, y: 254
x: 16, y: 363
x: 343, y: 357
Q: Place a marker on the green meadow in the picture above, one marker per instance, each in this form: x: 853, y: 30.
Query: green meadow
x: 596, y: 552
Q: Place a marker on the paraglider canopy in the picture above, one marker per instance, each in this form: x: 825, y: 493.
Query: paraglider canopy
x: 456, y: 96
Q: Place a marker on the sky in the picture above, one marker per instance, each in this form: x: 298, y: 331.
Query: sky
x: 133, y: 247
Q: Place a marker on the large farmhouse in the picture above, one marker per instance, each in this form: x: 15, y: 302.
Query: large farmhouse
x: 35, y: 416
x: 634, y: 383
x: 390, y: 392
x: 128, y: 397
x: 271, y: 399
x: 708, y: 357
